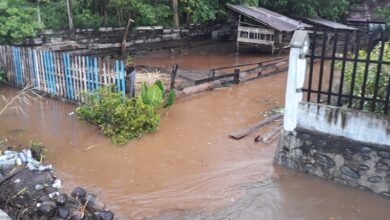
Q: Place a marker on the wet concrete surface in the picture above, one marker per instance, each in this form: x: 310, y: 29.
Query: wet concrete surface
x: 189, y: 168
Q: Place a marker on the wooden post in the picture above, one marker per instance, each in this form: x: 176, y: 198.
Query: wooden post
x: 123, y: 46
x: 173, y: 75
x: 236, y: 76
x: 238, y: 35
x: 130, y: 80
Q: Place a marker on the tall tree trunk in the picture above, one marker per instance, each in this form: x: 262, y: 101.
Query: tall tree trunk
x: 175, y: 13
x: 70, y: 14
x: 39, y: 14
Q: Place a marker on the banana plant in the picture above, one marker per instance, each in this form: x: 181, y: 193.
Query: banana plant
x: 155, y: 95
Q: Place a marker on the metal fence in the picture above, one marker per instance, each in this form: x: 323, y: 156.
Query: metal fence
x: 60, y: 74
x: 355, y: 76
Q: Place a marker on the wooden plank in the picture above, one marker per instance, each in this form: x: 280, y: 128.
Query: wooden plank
x: 245, y: 131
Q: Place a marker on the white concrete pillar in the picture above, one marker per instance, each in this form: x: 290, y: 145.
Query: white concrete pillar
x: 296, y: 77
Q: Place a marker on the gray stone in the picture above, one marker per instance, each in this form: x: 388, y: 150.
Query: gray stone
x: 375, y: 179
x: 384, y: 154
x: 339, y: 180
x: 63, y: 212
x: 78, y: 192
x: 349, y: 172
x: 365, y: 188
x: 386, y: 194
x: 306, y: 136
x: 364, y: 167
x: 323, y: 159
x: 321, y: 143
x: 61, y: 199
x: 365, y: 150
x: 309, y: 166
x: 382, y: 166
x: 365, y: 156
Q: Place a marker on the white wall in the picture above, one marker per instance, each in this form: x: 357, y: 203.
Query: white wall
x: 349, y: 123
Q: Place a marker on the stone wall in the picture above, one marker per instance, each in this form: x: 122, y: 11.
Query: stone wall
x: 108, y: 37
x: 339, y: 159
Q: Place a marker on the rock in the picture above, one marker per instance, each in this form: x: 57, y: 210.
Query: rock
x: 384, y: 154
x: 364, y: 167
x: 78, y: 192
x: 309, y: 166
x: 339, y: 180
x: 323, y: 159
x: 382, y: 166
x: 47, y: 209
x: 38, y: 187
x: 365, y: 156
x: 105, y: 215
x: 44, y: 198
x: 375, y: 179
x: 63, y: 212
x: 61, y: 199
x: 349, y: 172
x: 365, y: 150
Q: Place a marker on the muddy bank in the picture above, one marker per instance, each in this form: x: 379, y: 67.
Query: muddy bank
x: 30, y: 190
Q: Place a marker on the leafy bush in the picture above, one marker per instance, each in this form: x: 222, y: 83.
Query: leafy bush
x: 123, y: 118
x: 3, y: 77
x: 371, y: 79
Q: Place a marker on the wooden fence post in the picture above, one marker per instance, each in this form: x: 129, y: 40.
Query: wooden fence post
x: 236, y: 76
x: 130, y: 80
x: 173, y: 76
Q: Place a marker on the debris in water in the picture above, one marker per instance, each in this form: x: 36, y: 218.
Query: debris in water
x: 30, y: 190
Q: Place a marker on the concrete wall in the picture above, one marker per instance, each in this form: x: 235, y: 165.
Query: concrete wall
x: 341, y: 160
x: 349, y: 123
x: 103, y: 38
x: 342, y: 145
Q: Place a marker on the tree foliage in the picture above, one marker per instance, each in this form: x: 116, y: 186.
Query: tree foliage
x: 371, y: 80
x: 17, y: 20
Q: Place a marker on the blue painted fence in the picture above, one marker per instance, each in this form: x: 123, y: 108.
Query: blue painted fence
x: 60, y: 74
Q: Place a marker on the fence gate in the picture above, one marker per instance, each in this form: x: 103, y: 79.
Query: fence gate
x: 350, y: 70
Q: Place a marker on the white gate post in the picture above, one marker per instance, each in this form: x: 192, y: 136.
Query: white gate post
x: 296, y: 77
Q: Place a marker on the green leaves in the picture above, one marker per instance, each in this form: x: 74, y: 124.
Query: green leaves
x: 120, y: 118
x: 17, y: 21
x: 123, y: 118
x: 155, y: 95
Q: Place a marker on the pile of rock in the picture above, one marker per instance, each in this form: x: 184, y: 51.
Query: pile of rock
x: 30, y: 190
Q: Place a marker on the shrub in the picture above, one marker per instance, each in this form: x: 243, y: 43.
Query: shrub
x: 371, y: 78
x: 120, y: 117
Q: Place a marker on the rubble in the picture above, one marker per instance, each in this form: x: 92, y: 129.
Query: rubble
x: 29, y: 189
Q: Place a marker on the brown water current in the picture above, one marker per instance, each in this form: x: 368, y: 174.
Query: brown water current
x: 189, y: 168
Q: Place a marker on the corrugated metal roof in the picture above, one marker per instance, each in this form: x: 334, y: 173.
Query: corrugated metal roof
x: 269, y: 18
x: 329, y: 24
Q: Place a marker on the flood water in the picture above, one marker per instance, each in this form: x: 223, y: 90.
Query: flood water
x: 204, y: 57
x: 189, y: 168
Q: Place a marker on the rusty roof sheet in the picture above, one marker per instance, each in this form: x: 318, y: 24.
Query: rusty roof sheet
x: 329, y: 24
x: 269, y: 18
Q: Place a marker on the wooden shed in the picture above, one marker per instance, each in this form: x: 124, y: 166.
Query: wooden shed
x: 263, y: 28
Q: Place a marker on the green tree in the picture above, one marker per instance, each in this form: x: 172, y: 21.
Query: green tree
x: 17, y: 21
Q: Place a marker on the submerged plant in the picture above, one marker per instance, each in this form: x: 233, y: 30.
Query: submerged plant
x: 123, y: 118
x: 38, y: 151
x: 155, y: 95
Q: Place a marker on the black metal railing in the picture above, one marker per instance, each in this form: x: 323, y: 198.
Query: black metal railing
x: 349, y: 69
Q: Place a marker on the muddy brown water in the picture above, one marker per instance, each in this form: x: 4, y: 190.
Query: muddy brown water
x: 204, y: 57
x: 189, y: 168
